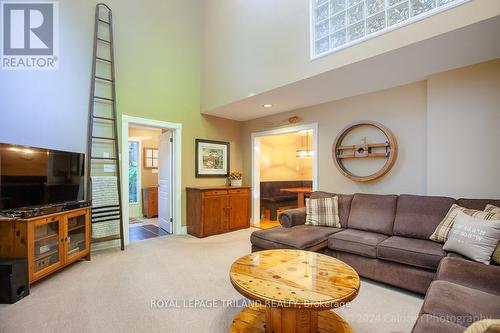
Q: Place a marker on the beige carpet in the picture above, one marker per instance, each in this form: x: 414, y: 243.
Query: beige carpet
x: 114, y: 292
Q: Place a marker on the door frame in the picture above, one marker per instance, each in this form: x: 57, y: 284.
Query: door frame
x: 176, y: 192
x: 255, y: 166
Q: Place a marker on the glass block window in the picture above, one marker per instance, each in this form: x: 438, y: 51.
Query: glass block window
x: 340, y: 23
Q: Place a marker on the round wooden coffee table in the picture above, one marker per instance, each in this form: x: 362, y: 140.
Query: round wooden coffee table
x: 292, y: 290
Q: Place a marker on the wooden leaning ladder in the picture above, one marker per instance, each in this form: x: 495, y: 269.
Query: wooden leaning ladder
x: 103, y: 166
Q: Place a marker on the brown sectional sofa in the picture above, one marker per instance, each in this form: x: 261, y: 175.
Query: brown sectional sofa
x: 386, y: 238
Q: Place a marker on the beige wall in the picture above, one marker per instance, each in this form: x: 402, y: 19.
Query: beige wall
x: 241, y: 58
x: 278, y: 160
x: 402, y: 109
x: 446, y: 127
x: 463, y: 132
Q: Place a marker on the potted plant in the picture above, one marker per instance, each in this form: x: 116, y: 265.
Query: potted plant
x: 235, y: 178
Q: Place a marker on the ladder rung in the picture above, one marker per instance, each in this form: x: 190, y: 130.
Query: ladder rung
x: 103, y: 40
x: 103, y: 21
x: 109, y: 210
x: 103, y: 138
x: 103, y: 79
x: 104, y: 98
x: 105, y: 207
x: 107, y: 220
x: 104, y: 158
x: 104, y: 60
x: 104, y: 118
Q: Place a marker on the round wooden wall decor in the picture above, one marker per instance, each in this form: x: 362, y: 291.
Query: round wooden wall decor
x: 387, y: 150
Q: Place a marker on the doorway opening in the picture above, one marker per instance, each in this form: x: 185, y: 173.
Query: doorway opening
x: 284, y: 171
x: 151, y: 176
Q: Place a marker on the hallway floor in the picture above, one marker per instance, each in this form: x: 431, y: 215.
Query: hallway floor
x: 143, y: 228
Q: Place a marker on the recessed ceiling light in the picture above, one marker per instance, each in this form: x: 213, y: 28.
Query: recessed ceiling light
x: 267, y: 105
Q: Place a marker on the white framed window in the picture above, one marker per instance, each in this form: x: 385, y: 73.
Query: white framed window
x: 134, y: 171
x: 337, y: 24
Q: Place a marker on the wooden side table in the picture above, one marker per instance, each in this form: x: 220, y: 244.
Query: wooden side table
x: 292, y: 290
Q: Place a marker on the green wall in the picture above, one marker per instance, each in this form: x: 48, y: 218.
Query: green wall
x: 157, y: 51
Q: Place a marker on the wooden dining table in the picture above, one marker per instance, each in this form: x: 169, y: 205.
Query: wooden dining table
x: 301, y: 192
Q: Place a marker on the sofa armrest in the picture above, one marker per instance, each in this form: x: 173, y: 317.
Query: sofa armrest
x: 292, y: 217
x: 470, y: 274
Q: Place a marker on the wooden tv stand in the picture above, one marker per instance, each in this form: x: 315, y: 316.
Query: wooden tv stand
x: 49, y: 242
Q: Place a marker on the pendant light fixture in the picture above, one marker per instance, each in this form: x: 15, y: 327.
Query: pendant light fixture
x: 305, y: 152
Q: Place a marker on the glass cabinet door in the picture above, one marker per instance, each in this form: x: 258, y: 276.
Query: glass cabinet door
x: 46, y: 245
x: 76, y: 243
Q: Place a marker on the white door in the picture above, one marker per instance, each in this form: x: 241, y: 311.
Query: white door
x: 165, y: 182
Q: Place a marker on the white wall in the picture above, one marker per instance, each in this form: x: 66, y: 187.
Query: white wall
x: 50, y: 108
x: 464, y: 132
x: 253, y: 46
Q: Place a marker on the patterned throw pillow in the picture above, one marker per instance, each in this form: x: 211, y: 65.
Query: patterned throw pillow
x: 323, y: 212
x: 443, y: 229
x: 492, y: 209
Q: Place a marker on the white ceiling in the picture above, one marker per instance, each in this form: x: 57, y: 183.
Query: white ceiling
x: 463, y: 47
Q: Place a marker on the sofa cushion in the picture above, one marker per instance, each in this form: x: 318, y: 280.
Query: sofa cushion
x: 432, y: 324
x: 373, y: 212
x: 302, y: 237
x: 459, y: 304
x: 344, y: 204
x: 418, y: 216
x: 359, y: 242
x: 479, y: 204
x: 411, y: 251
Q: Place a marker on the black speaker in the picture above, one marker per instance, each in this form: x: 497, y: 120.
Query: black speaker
x: 14, y: 283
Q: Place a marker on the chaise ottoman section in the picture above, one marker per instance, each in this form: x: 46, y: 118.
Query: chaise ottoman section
x: 410, y: 251
x: 302, y: 237
x: 470, y: 274
x: 459, y: 304
x: 432, y: 324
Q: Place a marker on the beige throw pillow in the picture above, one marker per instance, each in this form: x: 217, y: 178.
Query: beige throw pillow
x: 473, y: 238
x: 484, y: 326
x: 443, y: 229
x: 495, y: 257
x: 323, y: 212
x: 492, y: 209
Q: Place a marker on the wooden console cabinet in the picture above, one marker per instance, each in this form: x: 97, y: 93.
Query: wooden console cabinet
x: 216, y: 210
x: 150, y: 202
x: 49, y: 242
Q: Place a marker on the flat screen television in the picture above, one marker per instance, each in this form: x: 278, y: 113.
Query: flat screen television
x: 34, y: 177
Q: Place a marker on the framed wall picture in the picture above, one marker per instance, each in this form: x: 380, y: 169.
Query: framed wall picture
x: 150, y: 158
x: 212, y: 158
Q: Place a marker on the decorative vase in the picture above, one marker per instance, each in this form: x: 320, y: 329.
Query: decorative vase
x: 236, y: 182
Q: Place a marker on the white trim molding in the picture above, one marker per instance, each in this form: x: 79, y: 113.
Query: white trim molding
x: 255, y: 149
x: 176, y: 129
